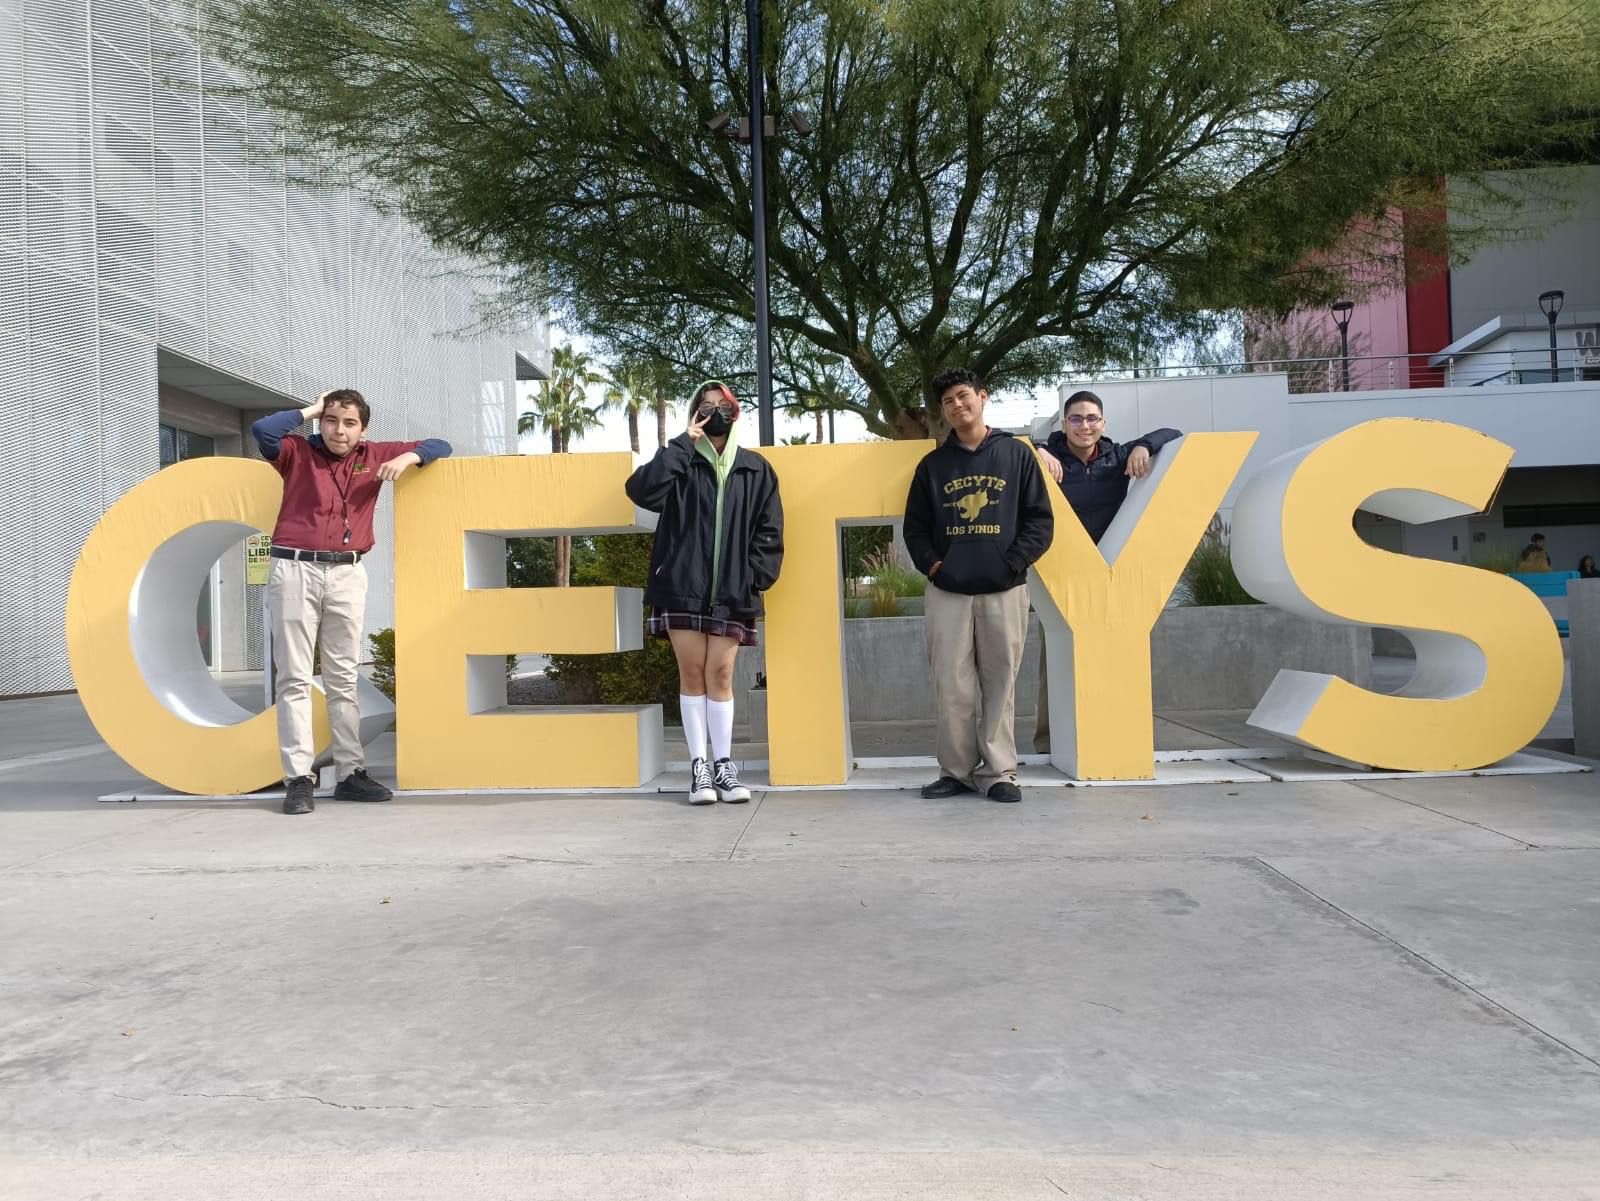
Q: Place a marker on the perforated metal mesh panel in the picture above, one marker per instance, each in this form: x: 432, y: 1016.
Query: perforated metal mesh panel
x: 138, y: 208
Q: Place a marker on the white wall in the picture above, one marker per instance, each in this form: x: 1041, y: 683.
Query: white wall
x: 1556, y: 245
x: 139, y: 208
x: 1549, y: 425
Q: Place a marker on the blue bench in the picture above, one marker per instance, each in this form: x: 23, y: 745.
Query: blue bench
x: 1550, y: 587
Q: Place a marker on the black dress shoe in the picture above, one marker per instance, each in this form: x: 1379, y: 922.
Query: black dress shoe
x: 1004, y: 790
x: 358, y: 786
x: 944, y: 786
x: 297, y: 796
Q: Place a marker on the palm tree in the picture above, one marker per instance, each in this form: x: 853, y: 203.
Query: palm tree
x: 545, y: 414
x: 629, y: 389
x: 561, y: 407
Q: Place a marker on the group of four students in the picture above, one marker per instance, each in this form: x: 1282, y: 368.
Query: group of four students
x: 976, y: 518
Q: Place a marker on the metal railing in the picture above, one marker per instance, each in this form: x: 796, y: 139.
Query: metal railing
x: 1367, y: 373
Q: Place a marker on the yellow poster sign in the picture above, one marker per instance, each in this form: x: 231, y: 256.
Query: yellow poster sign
x: 257, y: 558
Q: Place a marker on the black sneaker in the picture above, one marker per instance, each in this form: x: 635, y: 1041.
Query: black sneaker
x: 297, y: 796
x: 1004, y: 790
x: 701, y: 790
x: 726, y: 778
x: 944, y: 786
x: 358, y: 786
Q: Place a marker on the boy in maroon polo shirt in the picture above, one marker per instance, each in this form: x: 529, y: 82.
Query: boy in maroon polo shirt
x: 317, y: 590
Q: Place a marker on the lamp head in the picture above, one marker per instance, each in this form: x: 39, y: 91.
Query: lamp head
x: 1341, y: 312
x: 1550, y: 302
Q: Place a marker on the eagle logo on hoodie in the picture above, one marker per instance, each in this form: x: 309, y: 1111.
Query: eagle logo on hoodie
x: 970, y: 505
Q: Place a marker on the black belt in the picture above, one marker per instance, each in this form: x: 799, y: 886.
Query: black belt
x: 317, y: 556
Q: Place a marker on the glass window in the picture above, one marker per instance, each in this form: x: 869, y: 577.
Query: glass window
x: 176, y: 446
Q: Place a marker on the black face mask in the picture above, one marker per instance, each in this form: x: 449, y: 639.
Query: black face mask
x: 718, y: 424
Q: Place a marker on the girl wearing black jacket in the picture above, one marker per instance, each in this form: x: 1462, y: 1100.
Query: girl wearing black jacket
x: 718, y: 547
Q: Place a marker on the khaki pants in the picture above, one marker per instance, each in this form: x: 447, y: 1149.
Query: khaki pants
x: 975, y: 649
x: 311, y: 603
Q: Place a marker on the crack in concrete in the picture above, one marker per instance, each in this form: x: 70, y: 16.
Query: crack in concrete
x: 87, y: 842
x: 1489, y: 1001
x: 309, y: 1097
x: 760, y: 799
x: 1525, y: 845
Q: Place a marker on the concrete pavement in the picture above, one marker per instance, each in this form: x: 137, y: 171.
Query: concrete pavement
x: 1385, y: 989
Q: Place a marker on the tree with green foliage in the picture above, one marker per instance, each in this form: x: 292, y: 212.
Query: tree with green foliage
x: 1010, y: 186
x: 561, y: 407
x: 628, y: 390
x: 561, y: 404
x: 643, y: 677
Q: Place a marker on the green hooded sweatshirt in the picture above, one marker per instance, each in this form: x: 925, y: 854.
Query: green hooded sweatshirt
x: 723, y: 465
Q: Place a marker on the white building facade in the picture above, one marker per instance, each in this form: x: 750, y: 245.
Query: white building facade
x: 167, y: 275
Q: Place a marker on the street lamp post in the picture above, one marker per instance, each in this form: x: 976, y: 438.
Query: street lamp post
x: 1341, y: 318
x: 1550, y: 306
x: 758, y: 200
x: 755, y: 129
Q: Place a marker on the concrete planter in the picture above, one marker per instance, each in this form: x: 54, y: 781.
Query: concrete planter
x: 1226, y: 656
x: 755, y: 713
x: 908, y: 606
x: 1220, y: 657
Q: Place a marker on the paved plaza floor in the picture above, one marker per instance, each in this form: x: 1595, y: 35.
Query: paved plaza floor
x: 1385, y: 988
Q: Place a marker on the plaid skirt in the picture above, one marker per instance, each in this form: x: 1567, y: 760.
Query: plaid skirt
x: 662, y: 620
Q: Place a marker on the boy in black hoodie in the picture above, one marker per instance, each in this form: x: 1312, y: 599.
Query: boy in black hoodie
x: 1093, y: 472
x: 977, y: 517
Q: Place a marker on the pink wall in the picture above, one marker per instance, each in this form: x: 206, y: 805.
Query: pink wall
x: 1396, y: 323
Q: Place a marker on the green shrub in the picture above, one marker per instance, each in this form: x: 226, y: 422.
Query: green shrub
x: 383, y: 661
x: 643, y: 677
x: 860, y: 543
x: 888, y: 572
x: 531, y: 562
x: 884, y: 601
x: 1209, y: 578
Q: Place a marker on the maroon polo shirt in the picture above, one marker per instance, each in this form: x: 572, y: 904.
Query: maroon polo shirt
x: 321, y: 493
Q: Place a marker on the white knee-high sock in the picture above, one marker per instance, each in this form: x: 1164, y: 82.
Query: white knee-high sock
x: 719, y: 718
x: 694, y: 724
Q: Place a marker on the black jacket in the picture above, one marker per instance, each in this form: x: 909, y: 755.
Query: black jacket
x: 984, y: 513
x: 681, y: 485
x: 1096, y: 489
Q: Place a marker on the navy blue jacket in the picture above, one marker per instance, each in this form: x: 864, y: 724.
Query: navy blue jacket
x: 1096, y: 489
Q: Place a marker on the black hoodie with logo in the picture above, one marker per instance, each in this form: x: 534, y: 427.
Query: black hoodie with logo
x: 983, y: 514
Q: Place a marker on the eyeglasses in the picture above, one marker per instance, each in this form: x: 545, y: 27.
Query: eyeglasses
x: 1085, y: 419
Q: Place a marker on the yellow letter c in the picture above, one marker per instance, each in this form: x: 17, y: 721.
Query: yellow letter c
x: 131, y: 635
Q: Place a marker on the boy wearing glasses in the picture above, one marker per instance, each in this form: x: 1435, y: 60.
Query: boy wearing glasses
x: 1093, y: 472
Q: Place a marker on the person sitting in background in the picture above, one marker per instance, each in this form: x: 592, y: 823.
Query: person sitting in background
x: 1587, y: 569
x: 1534, y: 556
